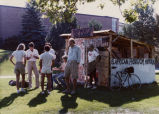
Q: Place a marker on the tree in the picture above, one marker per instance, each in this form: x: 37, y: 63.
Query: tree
x: 62, y: 10
x: 54, y: 35
x: 145, y: 28
x: 95, y: 25
x: 54, y: 38
x: 32, y: 29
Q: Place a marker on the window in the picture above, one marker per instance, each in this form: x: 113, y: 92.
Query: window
x: 114, y: 23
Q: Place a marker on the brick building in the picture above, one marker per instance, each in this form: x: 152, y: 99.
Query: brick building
x: 11, y: 18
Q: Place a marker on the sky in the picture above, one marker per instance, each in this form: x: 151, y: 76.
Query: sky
x: 87, y: 8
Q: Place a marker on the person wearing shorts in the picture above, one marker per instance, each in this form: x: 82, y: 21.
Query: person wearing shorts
x: 20, y: 57
x: 71, y: 69
x: 46, y: 63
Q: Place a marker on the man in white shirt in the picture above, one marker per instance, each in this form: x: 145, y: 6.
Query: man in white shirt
x: 92, y: 58
x: 52, y: 51
x: 46, y: 64
x: 32, y: 55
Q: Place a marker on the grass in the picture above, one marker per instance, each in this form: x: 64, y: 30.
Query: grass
x: 6, y: 67
x: 145, y: 100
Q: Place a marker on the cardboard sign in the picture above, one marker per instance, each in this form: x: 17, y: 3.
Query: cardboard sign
x: 81, y: 33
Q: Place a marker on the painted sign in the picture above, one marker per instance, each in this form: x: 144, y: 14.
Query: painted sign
x: 81, y: 33
x: 144, y: 68
x: 102, y: 66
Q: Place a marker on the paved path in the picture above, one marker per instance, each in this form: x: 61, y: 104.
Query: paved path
x: 7, y: 76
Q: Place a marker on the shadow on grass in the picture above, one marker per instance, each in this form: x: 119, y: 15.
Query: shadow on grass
x: 10, y: 99
x: 67, y: 103
x: 39, y: 99
x: 113, y: 99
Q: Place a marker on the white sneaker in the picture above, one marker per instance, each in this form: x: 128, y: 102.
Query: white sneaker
x: 18, y: 91
x: 73, y: 92
x: 89, y: 86
x: 30, y: 87
x: 22, y: 90
x: 48, y: 92
x: 42, y: 92
x: 94, y: 87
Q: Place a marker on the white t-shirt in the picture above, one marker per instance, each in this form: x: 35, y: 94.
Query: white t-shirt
x: 52, y: 51
x: 47, y: 58
x: 19, y: 55
x: 63, y: 65
x: 30, y: 53
x: 92, y: 55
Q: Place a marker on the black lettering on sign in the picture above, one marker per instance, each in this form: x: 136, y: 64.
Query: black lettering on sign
x: 133, y: 61
x: 82, y: 33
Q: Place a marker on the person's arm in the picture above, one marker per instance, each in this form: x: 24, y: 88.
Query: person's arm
x: 11, y: 59
x: 52, y: 63
x: 36, y: 56
x: 40, y: 62
x: 78, y: 55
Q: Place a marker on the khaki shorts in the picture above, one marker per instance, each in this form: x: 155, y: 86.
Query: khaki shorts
x: 46, y: 70
x: 71, y: 69
x: 19, y: 68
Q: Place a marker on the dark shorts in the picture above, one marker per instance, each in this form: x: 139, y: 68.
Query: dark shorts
x: 91, y: 67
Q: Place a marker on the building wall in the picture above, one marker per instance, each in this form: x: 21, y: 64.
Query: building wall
x: 11, y: 21
x: 11, y: 18
x: 84, y: 19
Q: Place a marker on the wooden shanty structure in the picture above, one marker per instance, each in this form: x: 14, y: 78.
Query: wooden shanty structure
x: 111, y: 46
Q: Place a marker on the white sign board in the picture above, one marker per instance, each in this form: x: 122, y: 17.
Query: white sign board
x: 144, y: 68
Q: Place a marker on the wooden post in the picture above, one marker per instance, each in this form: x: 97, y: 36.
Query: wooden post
x: 131, y: 48
x: 110, y: 58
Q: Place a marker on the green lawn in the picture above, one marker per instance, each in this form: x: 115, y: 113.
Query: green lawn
x: 6, y: 68
x: 145, y: 100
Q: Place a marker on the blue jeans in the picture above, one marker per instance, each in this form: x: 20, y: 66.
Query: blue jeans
x: 59, y: 79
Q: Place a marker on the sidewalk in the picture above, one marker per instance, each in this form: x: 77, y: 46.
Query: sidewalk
x: 7, y: 77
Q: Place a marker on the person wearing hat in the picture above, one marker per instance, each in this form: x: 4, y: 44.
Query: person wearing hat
x: 71, y: 69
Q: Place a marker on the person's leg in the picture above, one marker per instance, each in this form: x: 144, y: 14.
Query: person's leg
x: 49, y: 81
x: 74, y: 74
x: 67, y: 77
x: 23, y: 80
x: 94, y: 76
x: 17, y: 81
x: 42, y: 81
x: 74, y: 84
x: 61, y: 79
x: 29, y: 67
x: 54, y: 77
x: 36, y: 75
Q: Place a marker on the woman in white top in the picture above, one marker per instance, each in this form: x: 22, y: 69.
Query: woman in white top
x: 20, y: 58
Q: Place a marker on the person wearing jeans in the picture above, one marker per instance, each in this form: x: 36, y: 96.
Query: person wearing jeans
x: 32, y: 56
x: 59, y: 77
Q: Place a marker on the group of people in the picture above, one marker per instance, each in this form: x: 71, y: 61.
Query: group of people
x: 68, y: 69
